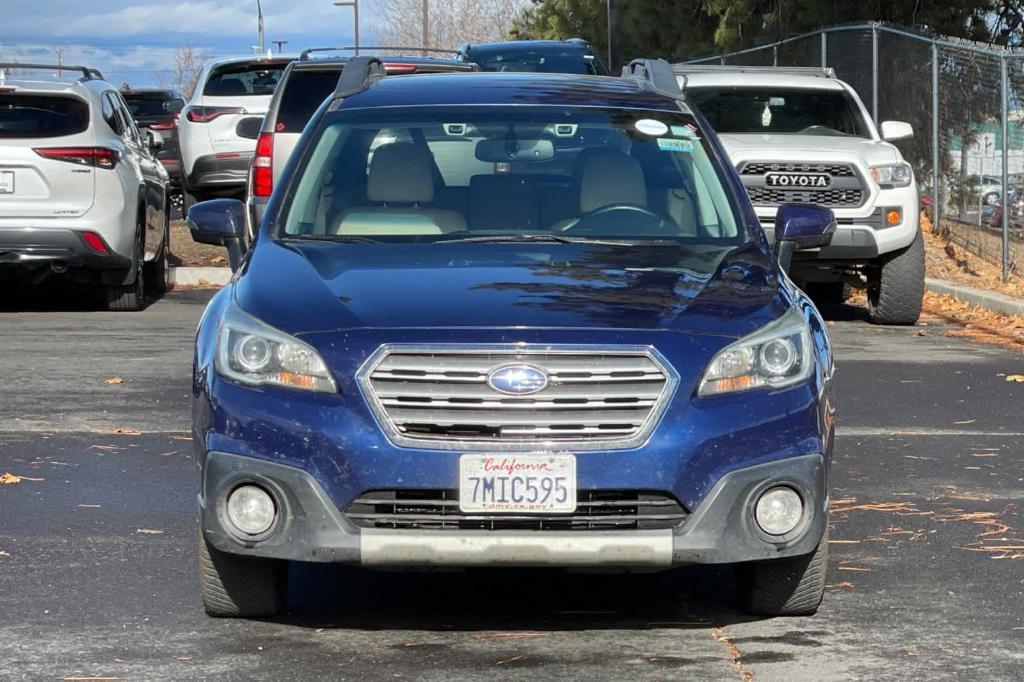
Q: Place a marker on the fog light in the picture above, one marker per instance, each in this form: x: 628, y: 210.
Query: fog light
x: 251, y: 509
x: 779, y: 510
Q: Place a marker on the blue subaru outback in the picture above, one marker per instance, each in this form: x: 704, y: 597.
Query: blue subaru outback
x: 511, y: 320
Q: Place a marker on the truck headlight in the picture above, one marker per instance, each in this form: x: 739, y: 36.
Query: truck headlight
x: 777, y: 355
x: 252, y: 352
x: 892, y: 174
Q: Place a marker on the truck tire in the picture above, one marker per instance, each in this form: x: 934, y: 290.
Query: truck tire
x: 896, y: 289
x: 233, y: 586
x: 792, y: 586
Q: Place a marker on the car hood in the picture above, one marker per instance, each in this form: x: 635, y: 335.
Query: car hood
x: 748, y: 147
x: 308, y: 286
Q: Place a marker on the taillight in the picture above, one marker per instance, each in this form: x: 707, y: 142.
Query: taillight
x: 207, y: 114
x: 98, y: 157
x: 262, y: 166
x: 399, y: 68
x: 163, y: 126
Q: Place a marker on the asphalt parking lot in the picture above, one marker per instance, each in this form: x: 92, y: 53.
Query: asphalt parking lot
x: 97, y: 576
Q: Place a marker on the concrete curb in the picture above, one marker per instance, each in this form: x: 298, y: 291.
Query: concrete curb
x: 200, y: 276
x: 989, y: 300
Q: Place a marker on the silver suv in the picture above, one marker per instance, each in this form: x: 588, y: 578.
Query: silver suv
x: 82, y: 194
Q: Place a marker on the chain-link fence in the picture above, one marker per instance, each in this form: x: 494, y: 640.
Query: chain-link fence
x: 966, y: 104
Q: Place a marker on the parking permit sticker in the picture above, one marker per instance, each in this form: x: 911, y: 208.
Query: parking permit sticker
x: 684, y: 131
x: 667, y: 144
x: 648, y: 126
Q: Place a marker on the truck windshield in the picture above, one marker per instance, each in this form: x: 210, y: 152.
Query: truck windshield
x: 525, y: 172
x: 742, y: 109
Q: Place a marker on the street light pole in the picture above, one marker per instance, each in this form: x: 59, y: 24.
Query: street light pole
x: 354, y: 4
x: 426, y: 23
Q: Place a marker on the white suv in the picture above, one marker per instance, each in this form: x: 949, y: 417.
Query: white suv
x: 801, y: 135
x: 81, y: 192
x: 230, y: 95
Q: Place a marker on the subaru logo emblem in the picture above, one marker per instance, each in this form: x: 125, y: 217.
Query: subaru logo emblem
x: 518, y: 379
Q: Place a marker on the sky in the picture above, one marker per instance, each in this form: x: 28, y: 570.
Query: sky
x: 130, y: 41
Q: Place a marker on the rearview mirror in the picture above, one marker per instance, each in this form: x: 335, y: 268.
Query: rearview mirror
x: 801, y: 226
x: 154, y: 140
x: 504, y: 151
x: 896, y: 130
x: 249, y: 128
x: 220, y: 222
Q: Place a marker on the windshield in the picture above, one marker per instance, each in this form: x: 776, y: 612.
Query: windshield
x: 144, y: 105
x: 556, y: 60
x: 524, y: 172
x: 779, y: 110
x: 241, y: 80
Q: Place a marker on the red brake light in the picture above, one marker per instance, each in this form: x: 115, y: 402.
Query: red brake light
x: 207, y: 114
x: 98, y: 157
x: 262, y: 166
x: 162, y: 126
x: 95, y: 242
x: 399, y: 68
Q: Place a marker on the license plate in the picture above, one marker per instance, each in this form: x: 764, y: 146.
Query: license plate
x: 535, y: 483
x: 6, y: 182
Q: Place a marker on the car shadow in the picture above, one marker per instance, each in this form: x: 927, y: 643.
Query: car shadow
x: 842, y: 312
x: 55, y: 297
x: 334, y: 596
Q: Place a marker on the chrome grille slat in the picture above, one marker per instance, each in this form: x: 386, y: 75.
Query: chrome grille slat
x: 439, y: 397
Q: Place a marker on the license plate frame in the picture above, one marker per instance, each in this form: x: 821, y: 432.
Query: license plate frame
x: 6, y: 182
x: 517, y: 483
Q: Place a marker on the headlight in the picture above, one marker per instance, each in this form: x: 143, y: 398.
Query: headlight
x: 777, y: 355
x: 252, y: 352
x: 893, y: 174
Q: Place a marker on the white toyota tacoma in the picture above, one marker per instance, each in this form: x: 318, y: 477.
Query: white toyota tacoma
x: 800, y: 135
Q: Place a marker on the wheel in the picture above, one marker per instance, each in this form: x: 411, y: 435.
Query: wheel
x: 235, y: 586
x: 129, y: 297
x: 792, y: 586
x: 990, y: 199
x: 896, y: 288
x: 827, y: 293
x: 158, y: 271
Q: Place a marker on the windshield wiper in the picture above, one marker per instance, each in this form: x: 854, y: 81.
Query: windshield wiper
x: 516, y: 238
x: 342, y: 238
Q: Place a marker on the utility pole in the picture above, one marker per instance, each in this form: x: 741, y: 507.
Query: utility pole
x: 60, y: 61
x: 280, y: 45
x: 354, y: 4
x: 259, y: 14
x: 426, y: 23
x: 613, y: 36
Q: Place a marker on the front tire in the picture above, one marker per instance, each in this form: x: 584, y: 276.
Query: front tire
x: 233, y: 586
x: 896, y: 288
x: 793, y: 586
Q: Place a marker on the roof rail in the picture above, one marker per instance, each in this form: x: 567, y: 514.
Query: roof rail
x: 657, y: 72
x: 357, y: 75
x: 822, y: 72
x: 87, y: 73
x: 304, y: 55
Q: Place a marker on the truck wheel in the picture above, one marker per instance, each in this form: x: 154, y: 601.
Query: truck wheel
x: 158, y: 275
x: 792, y: 586
x: 235, y: 586
x: 896, y: 289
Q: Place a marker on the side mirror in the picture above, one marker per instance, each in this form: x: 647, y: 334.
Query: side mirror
x: 249, y: 128
x: 896, y: 130
x: 154, y: 140
x: 220, y: 222
x: 801, y: 226
x: 174, y: 106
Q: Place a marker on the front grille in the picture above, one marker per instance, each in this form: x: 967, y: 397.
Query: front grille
x: 846, y: 187
x: 438, y: 509
x: 604, y: 398
x: 762, y: 196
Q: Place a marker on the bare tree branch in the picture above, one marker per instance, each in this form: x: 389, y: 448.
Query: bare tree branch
x: 188, y: 64
x: 451, y: 22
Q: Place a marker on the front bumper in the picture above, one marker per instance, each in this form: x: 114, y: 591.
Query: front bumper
x: 311, y: 528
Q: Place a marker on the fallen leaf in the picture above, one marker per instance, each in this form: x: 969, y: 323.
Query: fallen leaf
x: 3, y: 553
x: 148, y: 531
x: 856, y: 569
x: 966, y: 421
x: 11, y: 479
x: 911, y: 652
x: 845, y: 585
x: 114, y: 380
x: 510, y: 660
x: 219, y: 260
x: 1018, y: 378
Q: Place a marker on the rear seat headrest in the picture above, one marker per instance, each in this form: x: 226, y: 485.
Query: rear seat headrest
x: 400, y: 173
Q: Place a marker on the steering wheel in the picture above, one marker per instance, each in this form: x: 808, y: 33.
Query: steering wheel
x: 602, y: 221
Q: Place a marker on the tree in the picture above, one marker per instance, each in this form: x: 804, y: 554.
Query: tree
x: 188, y: 64
x: 451, y: 23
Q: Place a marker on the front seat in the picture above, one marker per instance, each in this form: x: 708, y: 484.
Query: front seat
x: 401, y: 185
